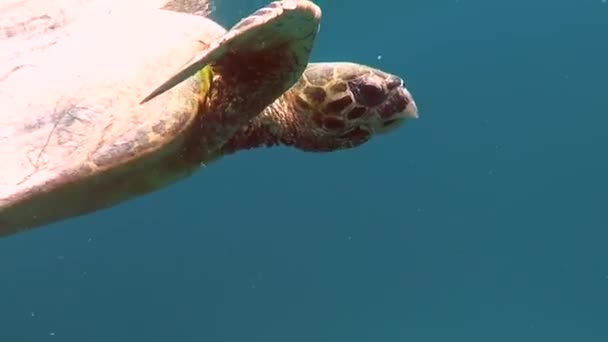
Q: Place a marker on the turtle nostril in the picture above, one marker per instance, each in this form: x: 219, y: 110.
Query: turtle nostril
x: 394, y: 82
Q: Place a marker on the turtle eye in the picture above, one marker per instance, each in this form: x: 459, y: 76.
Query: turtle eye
x: 367, y: 93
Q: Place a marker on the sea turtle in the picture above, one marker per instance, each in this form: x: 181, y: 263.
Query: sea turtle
x: 84, y: 124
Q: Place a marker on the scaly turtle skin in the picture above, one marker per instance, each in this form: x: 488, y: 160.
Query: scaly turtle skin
x: 91, y: 135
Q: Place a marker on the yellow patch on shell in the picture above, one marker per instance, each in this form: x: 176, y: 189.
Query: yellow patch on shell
x: 204, y: 76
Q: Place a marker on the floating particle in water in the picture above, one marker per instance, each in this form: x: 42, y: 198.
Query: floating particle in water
x: 379, y: 57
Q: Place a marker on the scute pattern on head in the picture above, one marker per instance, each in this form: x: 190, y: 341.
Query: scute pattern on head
x: 347, y: 103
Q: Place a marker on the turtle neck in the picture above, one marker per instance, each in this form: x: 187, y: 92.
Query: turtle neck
x: 265, y: 130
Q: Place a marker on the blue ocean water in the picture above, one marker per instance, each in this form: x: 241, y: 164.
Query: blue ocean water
x: 484, y: 220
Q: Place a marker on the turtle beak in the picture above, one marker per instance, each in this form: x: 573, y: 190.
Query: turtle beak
x: 403, y: 97
x: 398, y: 109
x: 411, y: 110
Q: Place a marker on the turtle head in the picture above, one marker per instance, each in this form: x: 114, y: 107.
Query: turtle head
x: 342, y: 105
x: 333, y: 106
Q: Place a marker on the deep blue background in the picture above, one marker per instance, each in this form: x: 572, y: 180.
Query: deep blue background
x: 484, y: 220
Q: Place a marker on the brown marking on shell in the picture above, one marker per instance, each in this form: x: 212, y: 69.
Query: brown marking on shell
x: 31, y: 23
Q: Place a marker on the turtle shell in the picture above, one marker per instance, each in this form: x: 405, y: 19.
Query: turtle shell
x: 74, y: 134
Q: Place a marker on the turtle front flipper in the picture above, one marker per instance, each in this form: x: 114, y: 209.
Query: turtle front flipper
x: 250, y: 66
x: 283, y: 29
